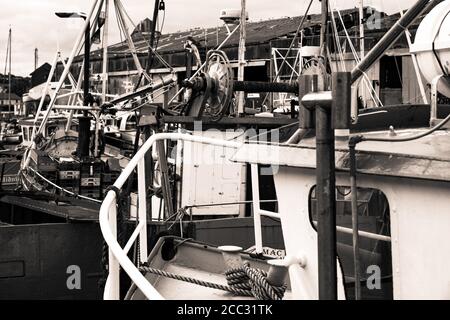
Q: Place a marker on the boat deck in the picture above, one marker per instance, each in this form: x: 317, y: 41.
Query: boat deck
x: 70, y: 212
x: 195, y: 260
x: 424, y: 158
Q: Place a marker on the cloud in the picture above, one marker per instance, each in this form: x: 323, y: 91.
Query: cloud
x: 35, y: 25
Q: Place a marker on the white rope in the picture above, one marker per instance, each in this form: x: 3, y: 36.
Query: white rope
x: 62, y: 189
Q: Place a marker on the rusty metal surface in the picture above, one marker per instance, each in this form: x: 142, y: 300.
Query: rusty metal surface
x: 427, y: 158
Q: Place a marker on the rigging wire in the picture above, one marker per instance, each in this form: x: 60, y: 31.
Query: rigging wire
x: 292, y: 44
x: 153, y: 49
x: 121, y: 32
x: 336, y: 39
x: 372, y: 92
x: 62, y: 189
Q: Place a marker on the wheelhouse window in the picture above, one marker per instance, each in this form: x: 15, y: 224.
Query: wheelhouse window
x: 375, y: 254
x: 131, y: 123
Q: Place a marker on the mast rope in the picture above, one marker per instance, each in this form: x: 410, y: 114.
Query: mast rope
x: 242, y: 281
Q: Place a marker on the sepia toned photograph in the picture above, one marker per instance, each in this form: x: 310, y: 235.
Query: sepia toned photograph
x: 227, y: 154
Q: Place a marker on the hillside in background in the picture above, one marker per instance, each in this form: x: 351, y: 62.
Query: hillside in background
x: 19, y: 85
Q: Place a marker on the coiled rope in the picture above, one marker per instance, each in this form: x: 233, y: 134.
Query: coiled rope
x: 243, y: 281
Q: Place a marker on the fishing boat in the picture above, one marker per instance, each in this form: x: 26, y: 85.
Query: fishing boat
x: 184, y: 191
x: 362, y: 211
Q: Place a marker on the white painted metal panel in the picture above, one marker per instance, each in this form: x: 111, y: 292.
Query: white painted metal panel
x: 209, y: 177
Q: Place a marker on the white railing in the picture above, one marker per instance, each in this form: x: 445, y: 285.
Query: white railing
x: 108, y: 219
x: 257, y: 211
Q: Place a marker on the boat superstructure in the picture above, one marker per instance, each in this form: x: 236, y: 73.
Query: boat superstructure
x: 393, y: 180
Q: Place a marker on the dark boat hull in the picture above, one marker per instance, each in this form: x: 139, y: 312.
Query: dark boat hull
x: 37, y: 261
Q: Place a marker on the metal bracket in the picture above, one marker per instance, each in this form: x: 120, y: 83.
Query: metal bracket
x: 434, y: 100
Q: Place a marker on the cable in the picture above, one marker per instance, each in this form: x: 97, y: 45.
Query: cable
x: 279, y: 128
x: 404, y: 139
x: 62, y: 189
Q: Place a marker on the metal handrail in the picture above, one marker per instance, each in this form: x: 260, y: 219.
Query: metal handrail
x: 108, y: 218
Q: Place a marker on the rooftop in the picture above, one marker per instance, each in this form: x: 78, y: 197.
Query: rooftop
x: 259, y: 32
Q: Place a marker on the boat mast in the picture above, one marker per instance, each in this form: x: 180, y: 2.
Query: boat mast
x: 361, y: 41
x: 150, y: 55
x: 361, y: 28
x: 9, y: 71
x: 241, y: 54
x: 36, y: 58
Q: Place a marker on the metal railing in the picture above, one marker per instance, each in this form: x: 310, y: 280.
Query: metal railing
x: 118, y: 257
x: 108, y: 219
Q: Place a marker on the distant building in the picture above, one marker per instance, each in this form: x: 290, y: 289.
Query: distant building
x: 9, y: 110
x: 392, y: 77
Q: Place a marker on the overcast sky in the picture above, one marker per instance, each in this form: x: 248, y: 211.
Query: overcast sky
x: 35, y: 25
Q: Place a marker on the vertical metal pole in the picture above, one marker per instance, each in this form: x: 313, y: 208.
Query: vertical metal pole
x: 105, y: 52
x: 307, y: 83
x: 147, y: 132
x: 326, y: 204
x: 188, y: 64
x: 326, y: 188
x: 324, y: 27
x: 165, y: 183
x: 361, y: 43
x: 256, y: 209
x: 84, y: 132
x: 355, y: 226
x: 87, y: 63
x: 242, y: 39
